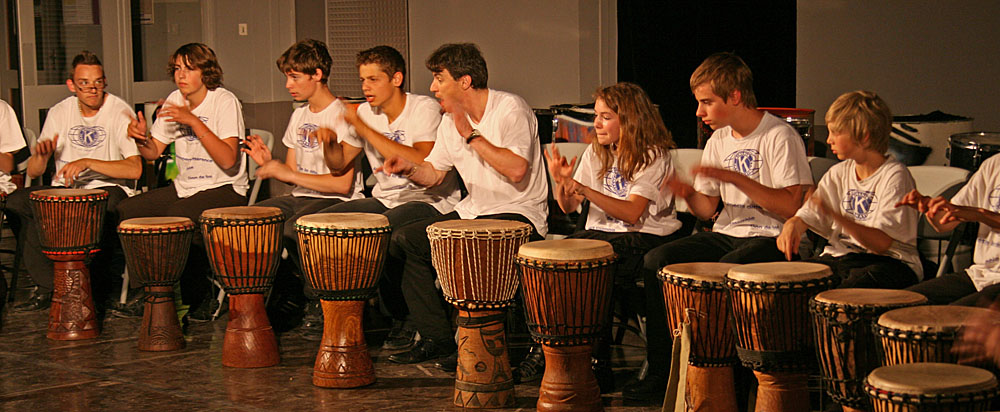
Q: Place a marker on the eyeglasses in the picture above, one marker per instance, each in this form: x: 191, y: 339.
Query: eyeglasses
x: 88, y: 86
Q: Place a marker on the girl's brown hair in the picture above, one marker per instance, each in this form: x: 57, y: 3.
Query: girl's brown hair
x: 643, y: 137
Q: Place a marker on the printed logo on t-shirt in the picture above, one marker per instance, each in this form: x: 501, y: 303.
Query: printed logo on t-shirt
x: 187, y: 133
x: 87, y: 137
x: 995, y: 199
x: 303, y: 133
x: 859, y: 203
x: 397, y: 136
x: 745, y: 161
x: 615, y: 183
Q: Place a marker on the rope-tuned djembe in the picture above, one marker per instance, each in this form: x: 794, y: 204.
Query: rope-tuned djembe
x: 474, y: 260
x: 567, y: 287
x: 69, y: 230
x: 156, y: 250
x: 931, y: 387
x: 342, y: 256
x: 243, y: 245
x: 927, y: 333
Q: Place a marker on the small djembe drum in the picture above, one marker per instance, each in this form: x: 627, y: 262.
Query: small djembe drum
x: 931, y: 387
x: 771, y: 313
x: 342, y: 256
x: 69, y: 230
x: 567, y: 287
x: 694, y: 293
x: 474, y: 260
x: 156, y: 250
x: 845, y: 345
x: 243, y: 245
x: 926, y: 333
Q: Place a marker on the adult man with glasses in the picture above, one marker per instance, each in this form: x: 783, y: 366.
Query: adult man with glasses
x: 87, y: 133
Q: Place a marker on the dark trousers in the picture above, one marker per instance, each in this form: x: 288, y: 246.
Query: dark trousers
x: 699, y: 247
x: 956, y: 289
x: 38, y: 265
x: 428, y: 313
x: 165, y: 202
x: 390, y: 291
x: 866, y: 270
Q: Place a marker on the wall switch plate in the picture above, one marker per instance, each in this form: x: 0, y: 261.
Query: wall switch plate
x: 243, y: 29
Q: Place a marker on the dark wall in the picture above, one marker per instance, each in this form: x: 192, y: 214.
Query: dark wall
x: 661, y: 43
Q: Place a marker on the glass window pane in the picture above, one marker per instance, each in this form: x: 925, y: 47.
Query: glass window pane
x: 64, y: 28
x: 159, y: 27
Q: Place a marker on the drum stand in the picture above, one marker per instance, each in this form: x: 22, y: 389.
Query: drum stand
x: 483, y: 378
x: 343, y: 360
x: 72, y: 316
x: 249, y: 340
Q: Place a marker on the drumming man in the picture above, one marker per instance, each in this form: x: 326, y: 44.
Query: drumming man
x: 756, y: 165
x: 11, y: 145
x: 392, y: 123
x: 88, y: 135
x: 205, y: 123
x: 872, y: 243
x: 491, y: 138
x: 978, y: 201
x: 306, y: 66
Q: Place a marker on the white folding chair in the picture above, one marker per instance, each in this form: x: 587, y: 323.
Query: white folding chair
x: 683, y: 161
x: 268, y: 139
x: 937, y: 181
x: 819, y: 166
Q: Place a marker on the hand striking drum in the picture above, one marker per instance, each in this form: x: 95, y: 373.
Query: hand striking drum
x: 243, y: 245
x: 342, y: 256
x: 156, y: 250
x: 931, y: 387
x: 474, y: 260
x: 69, y: 230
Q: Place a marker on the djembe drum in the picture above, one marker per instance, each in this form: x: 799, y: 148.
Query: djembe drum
x: 342, y: 256
x: 925, y: 333
x: 694, y: 293
x: 156, y: 250
x: 931, y: 387
x: 69, y: 230
x: 474, y: 260
x: 771, y: 313
x: 243, y: 245
x: 845, y: 345
x: 567, y: 287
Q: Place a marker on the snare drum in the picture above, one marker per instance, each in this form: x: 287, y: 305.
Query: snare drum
x: 567, y: 288
x: 156, y: 250
x: 920, y: 387
x: 342, y: 256
x: 243, y: 245
x: 69, y: 229
x: 474, y: 260
x: 925, y: 333
x: 770, y: 310
x: 694, y: 293
x: 969, y: 150
x: 845, y: 345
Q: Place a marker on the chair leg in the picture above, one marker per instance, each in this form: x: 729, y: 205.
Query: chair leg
x: 16, y: 269
x: 124, y: 295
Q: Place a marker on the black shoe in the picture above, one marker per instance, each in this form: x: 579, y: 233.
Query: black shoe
x: 424, y: 350
x: 400, y: 337
x: 448, y: 364
x: 312, y: 322
x: 133, y: 307
x: 37, y: 300
x: 532, y: 367
x: 650, y: 389
x: 206, y: 310
x: 605, y: 376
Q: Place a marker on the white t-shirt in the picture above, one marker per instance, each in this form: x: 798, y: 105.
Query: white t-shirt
x: 309, y: 151
x: 870, y: 202
x: 659, y: 218
x: 417, y: 123
x: 11, y: 136
x: 983, y: 191
x: 508, y: 123
x: 222, y: 112
x: 773, y: 155
x: 103, y: 136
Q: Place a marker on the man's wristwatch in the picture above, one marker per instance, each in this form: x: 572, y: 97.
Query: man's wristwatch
x: 475, y: 133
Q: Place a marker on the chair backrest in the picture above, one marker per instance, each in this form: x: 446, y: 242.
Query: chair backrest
x: 569, y: 150
x: 683, y: 161
x: 937, y: 181
x: 268, y: 139
x: 30, y: 138
x: 819, y: 166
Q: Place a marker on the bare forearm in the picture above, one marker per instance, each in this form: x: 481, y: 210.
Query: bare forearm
x: 36, y: 165
x: 701, y: 205
x: 342, y: 184
x: 512, y: 166
x: 7, y: 162
x: 783, y: 202
x: 871, y: 238
x: 627, y: 210
x: 424, y: 174
x: 223, y: 153
x: 980, y: 215
x: 568, y: 202
x: 387, y: 147
x: 130, y: 168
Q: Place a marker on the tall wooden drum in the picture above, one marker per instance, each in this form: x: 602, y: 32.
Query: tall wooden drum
x: 695, y: 293
x: 243, y: 245
x: 931, y: 387
x: 342, y: 256
x: 771, y: 313
x: 156, y: 250
x: 567, y: 288
x: 926, y: 333
x: 474, y: 260
x: 69, y: 230
x: 845, y: 345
